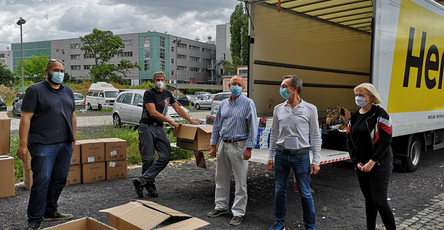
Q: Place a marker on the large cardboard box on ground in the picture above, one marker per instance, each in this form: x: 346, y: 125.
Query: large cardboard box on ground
x: 7, y: 180
x: 75, y: 158
x: 93, y: 172
x: 141, y: 214
x: 116, y: 169
x: 91, y: 151
x: 75, y: 175
x: 194, y: 137
x: 115, y: 148
x: 85, y: 223
x: 5, y: 131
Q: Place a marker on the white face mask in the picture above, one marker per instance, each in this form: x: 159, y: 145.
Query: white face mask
x: 160, y: 84
x: 360, y: 101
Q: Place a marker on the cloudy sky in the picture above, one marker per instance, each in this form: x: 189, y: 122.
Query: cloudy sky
x: 50, y: 19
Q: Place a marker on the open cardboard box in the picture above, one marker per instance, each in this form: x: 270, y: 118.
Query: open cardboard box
x: 85, y: 223
x: 194, y: 137
x: 142, y: 214
x: 5, y: 130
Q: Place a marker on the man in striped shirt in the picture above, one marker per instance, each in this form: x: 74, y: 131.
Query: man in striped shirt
x: 235, y: 131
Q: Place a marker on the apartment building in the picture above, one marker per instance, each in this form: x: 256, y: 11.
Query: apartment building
x: 183, y: 60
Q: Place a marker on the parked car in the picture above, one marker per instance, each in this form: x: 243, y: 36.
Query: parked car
x: 2, y: 104
x: 198, y: 93
x: 186, y: 100
x: 17, y: 109
x: 204, y: 102
x: 218, y: 99
x: 19, y: 96
x: 101, y: 95
x: 128, y: 108
x: 79, y: 101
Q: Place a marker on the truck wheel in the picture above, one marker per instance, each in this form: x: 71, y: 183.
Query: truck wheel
x: 116, y: 120
x: 100, y: 107
x: 89, y: 106
x: 413, y: 153
x: 197, y: 106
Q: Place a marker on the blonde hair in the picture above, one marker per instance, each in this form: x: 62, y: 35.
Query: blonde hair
x: 371, y: 90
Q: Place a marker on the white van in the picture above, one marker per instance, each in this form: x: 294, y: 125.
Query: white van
x: 101, y: 95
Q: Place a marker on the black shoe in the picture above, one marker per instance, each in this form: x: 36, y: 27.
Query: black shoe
x: 216, y: 213
x: 58, y: 216
x: 236, y: 220
x: 151, y: 188
x: 33, y: 227
x: 138, y: 187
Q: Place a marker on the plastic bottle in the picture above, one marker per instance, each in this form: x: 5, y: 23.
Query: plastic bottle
x: 328, y: 119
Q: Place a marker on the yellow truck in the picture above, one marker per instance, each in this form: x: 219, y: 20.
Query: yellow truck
x: 398, y: 45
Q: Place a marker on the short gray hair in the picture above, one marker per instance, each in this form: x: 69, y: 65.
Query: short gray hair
x: 158, y: 74
x: 295, y: 81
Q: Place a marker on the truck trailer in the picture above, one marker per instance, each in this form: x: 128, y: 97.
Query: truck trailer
x: 397, y: 45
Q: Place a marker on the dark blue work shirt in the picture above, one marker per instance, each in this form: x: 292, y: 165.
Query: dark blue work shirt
x: 52, y: 108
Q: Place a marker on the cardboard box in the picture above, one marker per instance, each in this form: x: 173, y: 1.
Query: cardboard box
x: 27, y: 179
x: 194, y: 137
x: 93, y: 172
x: 5, y: 131
x: 7, y: 180
x: 75, y: 158
x: 141, y: 214
x: 115, y: 148
x: 86, y: 223
x: 75, y: 175
x: 91, y: 151
x: 116, y: 169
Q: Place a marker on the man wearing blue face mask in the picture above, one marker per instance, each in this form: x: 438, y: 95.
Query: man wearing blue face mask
x: 47, y: 130
x: 293, y: 119
x: 234, y: 130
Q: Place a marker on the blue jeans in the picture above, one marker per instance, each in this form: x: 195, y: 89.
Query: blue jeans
x: 300, y: 163
x: 50, y: 167
x: 151, y: 138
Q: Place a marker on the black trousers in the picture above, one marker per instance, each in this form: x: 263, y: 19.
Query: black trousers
x: 374, y: 186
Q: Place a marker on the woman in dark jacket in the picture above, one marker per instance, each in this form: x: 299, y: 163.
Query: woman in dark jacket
x: 369, y: 136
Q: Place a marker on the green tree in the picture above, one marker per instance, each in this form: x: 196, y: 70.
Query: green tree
x: 239, y: 34
x: 229, y: 68
x: 6, y: 76
x: 104, y: 45
x: 33, y: 68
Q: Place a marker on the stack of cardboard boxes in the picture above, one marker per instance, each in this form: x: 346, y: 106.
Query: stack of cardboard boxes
x: 92, y: 160
x: 7, y: 180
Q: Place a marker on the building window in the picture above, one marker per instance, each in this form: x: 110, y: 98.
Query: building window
x: 75, y: 56
x: 207, y: 71
x: 194, y: 69
x: 162, y: 54
x: 57, y: 50
x: 180, y: 67
x: 195, y: 58
x: 172, y: 60
x: 128, y: 54
x: 75, y: 46
x: 194, y: 48
x: 207, y: 61
x: 75, y: 67
x: 88, y: 54
x: 146, y: 42
x: 181, y: 56
x: 162, y: 42
x: 162, y: 66
x: 208, y: 51
x: 147, y: 53
x: 172, y: 72
x: 146, y: 65
x: 127, y: 42
x: 182, y: 45
x: 172, y: 48
x: 86, y: 67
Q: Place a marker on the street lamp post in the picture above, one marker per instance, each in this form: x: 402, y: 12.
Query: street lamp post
x: 20, y: 22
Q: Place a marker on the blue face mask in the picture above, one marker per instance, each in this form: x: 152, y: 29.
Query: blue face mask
x: 236, y: 90
x: 284, y: 93
x: 57, y: 77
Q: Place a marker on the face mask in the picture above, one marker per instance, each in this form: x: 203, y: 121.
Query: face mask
x: 284, y: 93
x: 56, y: 77
x: 236, y: 90
x: 160, y: 84
x: 360, y: 101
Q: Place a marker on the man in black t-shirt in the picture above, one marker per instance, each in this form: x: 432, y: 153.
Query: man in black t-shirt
x: 152, y: 136
x: 47, y: 130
